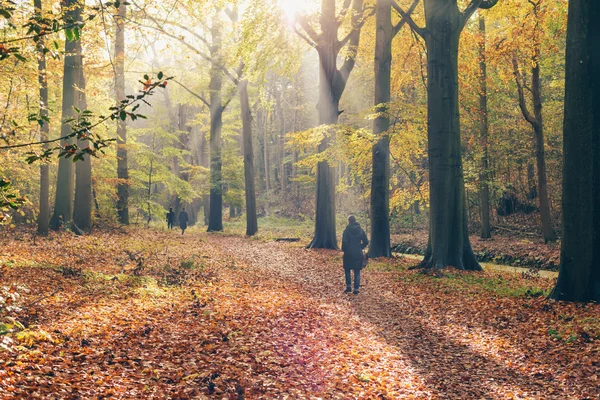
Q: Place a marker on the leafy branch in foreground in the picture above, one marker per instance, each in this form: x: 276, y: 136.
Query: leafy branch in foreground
x: 82, y: 125
x: 40, y: 26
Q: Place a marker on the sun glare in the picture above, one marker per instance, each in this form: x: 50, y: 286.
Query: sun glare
x: 293, y: 8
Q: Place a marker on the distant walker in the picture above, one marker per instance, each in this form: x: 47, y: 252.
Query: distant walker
x: 183, y: 220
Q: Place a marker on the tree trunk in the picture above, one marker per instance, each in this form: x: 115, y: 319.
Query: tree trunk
x: 122, y: 169
x: 579, y: 276
x: 44, y: 215
x: 380, y: 183
x: 63, y: 204
x: 82, y: 212
x: 266, y: 155
x: 215, y: 219
x: 484, y: 188
x: 325, y: 221
x: 251, y: 218
x: 449, y: 243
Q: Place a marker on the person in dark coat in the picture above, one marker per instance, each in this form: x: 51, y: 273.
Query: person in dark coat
x: 170, y: 218
x: 183, y: 220
x: 354, y: 240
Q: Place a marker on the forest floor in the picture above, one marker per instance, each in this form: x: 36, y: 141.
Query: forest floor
x: 506, y: 248
x: 151, y: 314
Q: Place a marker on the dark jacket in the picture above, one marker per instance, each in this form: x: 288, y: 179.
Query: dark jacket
x: 171, y: 217
x: 183, y: 219
x: 354, y: 241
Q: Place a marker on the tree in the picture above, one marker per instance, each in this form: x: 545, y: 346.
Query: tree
x: 63, y: 205
x: 251, y: 217
x: 448, y: 243
x: 484, y: 187
x: 332, y: 82
x: 537, y: 123
x: 380, y: 183
x: 122, y: 170
x: 44, y: 214
x: 579, y: 276
x: 82, y: 209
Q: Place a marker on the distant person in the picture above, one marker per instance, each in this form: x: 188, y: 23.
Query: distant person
x: 183, y: 220
x: 170, y: 218
x: 354, y: 240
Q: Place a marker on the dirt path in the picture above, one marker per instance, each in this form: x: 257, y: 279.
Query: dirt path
x: 448, y: 348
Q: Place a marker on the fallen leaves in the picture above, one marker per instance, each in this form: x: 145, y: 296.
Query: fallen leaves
x: 224, y: 317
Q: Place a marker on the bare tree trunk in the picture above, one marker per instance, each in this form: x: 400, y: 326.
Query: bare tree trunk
x: 332, y: 83
x: 44, y: 215
x: 484, y: 188
x: 215, y: 219
x: 82, y: 211
x: 251, y: 217
x: 380, y: 183
x: 63, y: 205
x: 449, y: 243
x: 122, y: 168
x: 579, y: 276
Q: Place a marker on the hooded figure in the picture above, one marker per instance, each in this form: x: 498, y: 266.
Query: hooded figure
x: 183, y: 220
x: 354, y: 240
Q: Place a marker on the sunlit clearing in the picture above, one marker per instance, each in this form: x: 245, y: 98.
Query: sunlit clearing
x: 293, y: 8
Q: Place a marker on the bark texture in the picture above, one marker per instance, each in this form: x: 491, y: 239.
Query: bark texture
x: 579, y: 276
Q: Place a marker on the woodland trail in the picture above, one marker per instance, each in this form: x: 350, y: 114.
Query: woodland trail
x: 442, y: 346
x: 266, y: 320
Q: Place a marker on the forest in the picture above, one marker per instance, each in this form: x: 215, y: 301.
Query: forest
x: 180, y: 183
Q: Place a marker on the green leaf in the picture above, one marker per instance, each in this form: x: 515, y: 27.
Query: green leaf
x: 160, y: 75
x: 123, y: 115
x: 69, y: 34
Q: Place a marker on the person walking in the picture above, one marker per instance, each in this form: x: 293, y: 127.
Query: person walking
x: 183, y: 220
x: 354, y: 240
x: 170, y: 218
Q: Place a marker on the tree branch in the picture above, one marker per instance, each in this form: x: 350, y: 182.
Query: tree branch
x: 192, y: 93
x: 310, y: 31
x: 359, y: 24
x: 471, y: 8
x: 416, y: 28
x: 402, y: 22
x: 522, y: 104
x: 306, y: 39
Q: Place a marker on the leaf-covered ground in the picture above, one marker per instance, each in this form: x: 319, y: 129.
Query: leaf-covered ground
x: 505, y: 248
x: 150, y: 314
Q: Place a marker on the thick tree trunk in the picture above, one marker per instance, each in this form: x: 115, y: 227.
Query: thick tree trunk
x: 380, y: 184
x: 82, y: 210
x: 484, y: 188
x: 251, y: 218
x: 44, y: 215
x: 325, y: 223
x: 579, y: 277
x: 122, y: 168
x: 63, y: 204
x: 449, y: 243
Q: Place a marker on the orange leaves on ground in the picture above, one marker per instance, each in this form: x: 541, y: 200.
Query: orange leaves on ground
x: 209, y: 316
